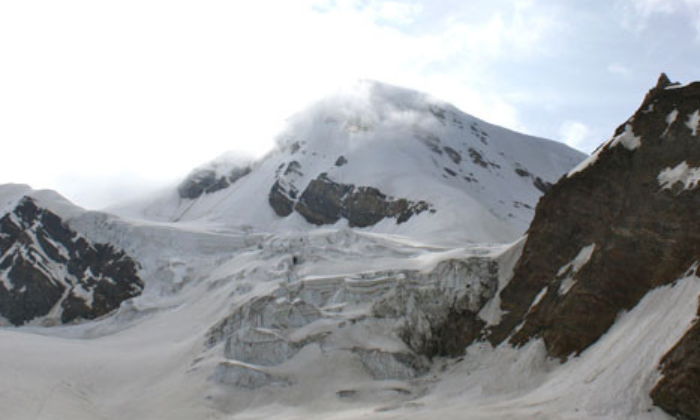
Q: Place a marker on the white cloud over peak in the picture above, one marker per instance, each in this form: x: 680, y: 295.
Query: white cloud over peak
x: 154, y: 88
x: 619, y: 69
x: 638, y: 13
x: 574, y: 133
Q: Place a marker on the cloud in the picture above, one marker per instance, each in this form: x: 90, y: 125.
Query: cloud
x: 394, y: 12
x: 156, y: 87
x: 619, y: 69
x: 574, y: 133
x: 637, y: 14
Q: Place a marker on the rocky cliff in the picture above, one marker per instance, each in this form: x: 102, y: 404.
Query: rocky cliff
x: 324, y: 202
x: 621, y: 224
x: 50, y: 273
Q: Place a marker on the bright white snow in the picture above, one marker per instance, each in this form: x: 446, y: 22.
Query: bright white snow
x: 686, y: 175
x: 573, y: 267
x: 249, y: 316
x: 149, y: 361
x: 671, y: 117
x: 693, y: 121
x: 406, y: 144
x: 626, y: 138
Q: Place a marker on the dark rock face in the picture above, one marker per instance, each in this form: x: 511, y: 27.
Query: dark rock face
x: 642, y: 233
x: 341, y: 161
x: 542, y: 185
x: 454, y: 155
x: 207, y: 181
x: 678, y: 391
x: 283, y: 194
x: 607, y: 234
x: 322, y: 201
x: 479, y: 159
x: 45, y: 267
x: 522, y: 172
x: 538, y: 182
x: 479, y: 133
x: 325, y: 202
x: 460, y: 328
x: 281, y: 200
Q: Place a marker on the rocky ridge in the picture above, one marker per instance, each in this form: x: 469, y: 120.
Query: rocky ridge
x: 50, y: 273
x: 621, y: 224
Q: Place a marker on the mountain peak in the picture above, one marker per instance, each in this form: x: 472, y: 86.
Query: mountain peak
x: 371, y: 101
x: 385, y: 158
x: 663, y: 81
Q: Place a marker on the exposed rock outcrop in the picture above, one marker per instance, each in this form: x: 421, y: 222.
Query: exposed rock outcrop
x: 619, y: 225
x: 206, y: 181
x: 49, y: 271
x: 282, y: 198
x: 325, y: 202
x: 640, y: 234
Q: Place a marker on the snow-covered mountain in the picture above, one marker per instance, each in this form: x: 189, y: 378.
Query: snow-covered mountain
x: 372, y: 267
x: 48, y: 272
x: 382, y: 158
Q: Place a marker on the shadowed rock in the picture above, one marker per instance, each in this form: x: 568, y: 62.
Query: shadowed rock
x: 678, y: 391
x: 618, y: 226
x: 325, y: 202
x: 44, y: 265
x: 206, y: 181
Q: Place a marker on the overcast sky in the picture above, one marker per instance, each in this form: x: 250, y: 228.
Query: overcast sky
x: 102, y: 100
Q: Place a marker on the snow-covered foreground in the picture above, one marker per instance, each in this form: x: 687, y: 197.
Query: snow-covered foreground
x: 329, y: 348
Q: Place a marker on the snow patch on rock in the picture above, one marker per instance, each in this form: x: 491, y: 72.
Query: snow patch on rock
x: 538, y: 298
x: 688, y: 176
x: 693, y: 121
x: 671, y: 117
x: 573, y: 267
x: 627, y: 139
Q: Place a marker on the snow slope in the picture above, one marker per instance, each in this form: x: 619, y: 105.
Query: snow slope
x: 482, y: 181
x: 249, y: 315
x: 155, y: 359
